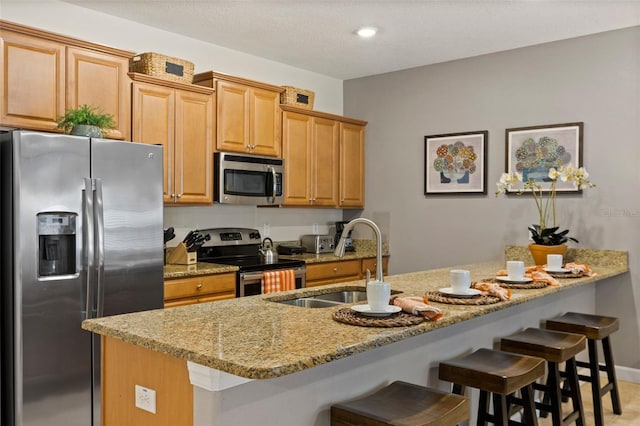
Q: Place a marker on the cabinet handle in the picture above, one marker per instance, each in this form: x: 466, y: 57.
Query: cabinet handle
x: 179, y: 195
x: 335, y: 269
x: 199, y: 286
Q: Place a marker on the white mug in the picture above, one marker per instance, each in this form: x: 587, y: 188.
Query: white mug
x: 378, y: 294
x: 554, y: 262
x: 515, y: 269
x: 460, y: 280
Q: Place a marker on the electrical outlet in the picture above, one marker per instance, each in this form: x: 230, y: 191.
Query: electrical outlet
x: 146, y: 399
x: 315, y: 229
x: 266, y: 230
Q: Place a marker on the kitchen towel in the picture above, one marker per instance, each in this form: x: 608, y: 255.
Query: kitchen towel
x: 280, y: 280
x: 416, y: 305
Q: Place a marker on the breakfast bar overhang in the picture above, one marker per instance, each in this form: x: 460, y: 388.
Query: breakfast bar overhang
x: 255, y: 361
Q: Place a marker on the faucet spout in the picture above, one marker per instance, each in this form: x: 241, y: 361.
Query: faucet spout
x: 339, y: 251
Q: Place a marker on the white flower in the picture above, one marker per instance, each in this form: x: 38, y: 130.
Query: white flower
x: 553, y: 174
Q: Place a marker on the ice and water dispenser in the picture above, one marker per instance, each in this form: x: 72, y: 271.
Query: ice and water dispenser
x: 56, y: 244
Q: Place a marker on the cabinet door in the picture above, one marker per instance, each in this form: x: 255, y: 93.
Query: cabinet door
x: 100, y: 79
x: 194, y: 148
x: 154, y: 112
x: 32, y: 71
x: 296, y: 151
x: 351, y: 165
x: 324, y: 162
x: 265, y: 119
x: 233, y: 133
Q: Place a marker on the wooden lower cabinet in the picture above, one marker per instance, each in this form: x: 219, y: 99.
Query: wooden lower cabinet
x: 341, y: 271
x: 199, y: 289
x: 124, y: 366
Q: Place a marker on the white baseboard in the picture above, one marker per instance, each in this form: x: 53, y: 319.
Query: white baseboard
x: 628, y: 374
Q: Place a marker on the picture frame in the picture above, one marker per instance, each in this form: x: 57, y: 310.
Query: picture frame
x: 456, y: 163
x: 532, y: 151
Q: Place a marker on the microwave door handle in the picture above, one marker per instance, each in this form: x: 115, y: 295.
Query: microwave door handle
x: 274, y: 181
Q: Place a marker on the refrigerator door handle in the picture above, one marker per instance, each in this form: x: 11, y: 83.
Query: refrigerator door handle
x: 99, y: 230
x: 88, y: 243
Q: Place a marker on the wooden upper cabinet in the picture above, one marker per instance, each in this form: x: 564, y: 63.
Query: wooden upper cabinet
x: 310, y: 150
x: 44, y: 74
x: 33, y: 79
x: 96, y: 78
x: 351, y: 165
x: 153, y: 123
x: 248, y: 117
x: 180, y: 117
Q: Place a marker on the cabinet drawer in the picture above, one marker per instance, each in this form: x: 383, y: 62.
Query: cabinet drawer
x: 370, y: 264
x: 197, y: 286
x: 331, y: 270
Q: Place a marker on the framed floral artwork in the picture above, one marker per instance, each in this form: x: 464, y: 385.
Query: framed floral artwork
x: 456, y: 163
x: 533, y: 151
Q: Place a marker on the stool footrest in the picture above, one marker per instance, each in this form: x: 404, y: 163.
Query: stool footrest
x: 585, y: 364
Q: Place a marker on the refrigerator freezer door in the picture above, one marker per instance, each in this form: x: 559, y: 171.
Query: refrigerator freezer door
x: 52, y: 359
x: 128, y: 233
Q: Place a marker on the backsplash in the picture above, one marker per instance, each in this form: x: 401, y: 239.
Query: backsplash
x: 280, y: 224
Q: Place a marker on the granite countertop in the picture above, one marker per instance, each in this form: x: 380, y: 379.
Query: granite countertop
x: 256, y: 338
x: 200, y: 268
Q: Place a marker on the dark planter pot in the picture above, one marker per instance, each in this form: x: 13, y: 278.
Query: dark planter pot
x: 86, y: 130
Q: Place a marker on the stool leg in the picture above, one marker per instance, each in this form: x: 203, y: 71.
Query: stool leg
x: 594, y: 369
x: 500, y: 412
x: 528, y: 402
x: 573, y: 385
x: 483, y: 409
x: 611, y: 375
x: 554, y: 393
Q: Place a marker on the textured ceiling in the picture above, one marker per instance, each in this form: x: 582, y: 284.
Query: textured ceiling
x: 318, y: 35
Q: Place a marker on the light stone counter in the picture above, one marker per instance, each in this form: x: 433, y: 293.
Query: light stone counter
x: 255, y: 338
x: 200, y: 268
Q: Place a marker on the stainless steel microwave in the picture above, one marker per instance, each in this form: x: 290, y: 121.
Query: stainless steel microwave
x: 248, y: 179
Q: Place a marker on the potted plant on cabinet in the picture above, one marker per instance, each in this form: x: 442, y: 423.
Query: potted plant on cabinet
x: 547, y: 237
x: 86, y: 120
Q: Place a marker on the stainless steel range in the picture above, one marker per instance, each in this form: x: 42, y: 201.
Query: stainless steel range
x: 241, y: 247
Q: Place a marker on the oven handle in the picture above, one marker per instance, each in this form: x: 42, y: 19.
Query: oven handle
x: 252, y: 276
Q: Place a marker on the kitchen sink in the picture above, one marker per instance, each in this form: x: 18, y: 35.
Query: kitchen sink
x: 309, y: 302
x: 344, y: 296
x: 327, y: 300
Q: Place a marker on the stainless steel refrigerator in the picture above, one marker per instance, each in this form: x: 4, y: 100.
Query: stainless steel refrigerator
x: 81, y: 238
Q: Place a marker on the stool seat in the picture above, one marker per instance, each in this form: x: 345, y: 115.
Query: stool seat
x: 493, y: 371
x: 402, y: 404
x: 595, y: 327
x: 551, y: 345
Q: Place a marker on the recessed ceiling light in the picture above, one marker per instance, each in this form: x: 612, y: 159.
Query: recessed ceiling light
x: 366, y: 32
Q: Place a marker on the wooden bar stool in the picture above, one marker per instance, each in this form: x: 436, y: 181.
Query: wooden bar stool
x: 594, y: 328
x: 402, y: 404
x: 555, y: 347
x: 500, y: 374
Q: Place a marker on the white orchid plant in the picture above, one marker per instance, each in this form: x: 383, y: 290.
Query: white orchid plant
x: 546, y: 232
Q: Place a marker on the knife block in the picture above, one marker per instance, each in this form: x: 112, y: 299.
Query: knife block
x: 180, y: 256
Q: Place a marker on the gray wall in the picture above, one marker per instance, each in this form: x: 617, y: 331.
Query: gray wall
x: 593, y: 79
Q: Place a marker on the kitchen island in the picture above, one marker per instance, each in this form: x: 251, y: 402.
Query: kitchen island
x: 255, y: 361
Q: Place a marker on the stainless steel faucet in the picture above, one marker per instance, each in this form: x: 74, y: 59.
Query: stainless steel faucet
x: 339, y: 251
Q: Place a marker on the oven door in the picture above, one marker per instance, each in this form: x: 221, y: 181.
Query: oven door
x: 250, y: 180
x: 250, y: 283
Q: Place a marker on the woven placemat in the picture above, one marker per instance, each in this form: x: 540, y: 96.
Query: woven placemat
x: 567, y: 275
x: 400, y: 319
x: 522, y: 286
x: 436, y: 296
